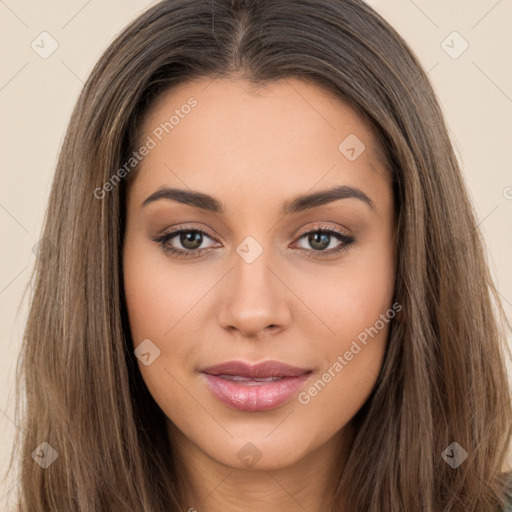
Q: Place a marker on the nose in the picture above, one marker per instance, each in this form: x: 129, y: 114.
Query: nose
x: 255, y: 298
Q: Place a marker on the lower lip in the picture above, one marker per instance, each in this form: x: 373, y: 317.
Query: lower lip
x: 256, y: 397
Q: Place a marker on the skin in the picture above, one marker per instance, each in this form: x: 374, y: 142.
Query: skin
x: 253, y: 150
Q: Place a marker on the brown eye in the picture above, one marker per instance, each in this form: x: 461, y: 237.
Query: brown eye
x: 321, y: 238
x: 189, y: 239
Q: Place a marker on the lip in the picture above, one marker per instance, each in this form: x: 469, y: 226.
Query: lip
x: 239, y: 385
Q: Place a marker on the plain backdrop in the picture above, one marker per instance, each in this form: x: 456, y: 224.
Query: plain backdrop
x: 464, y: 45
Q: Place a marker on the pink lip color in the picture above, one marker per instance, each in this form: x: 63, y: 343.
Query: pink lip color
x: 247, y: 393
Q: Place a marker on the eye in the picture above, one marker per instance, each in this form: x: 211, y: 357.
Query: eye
x: 189, y: 239
x: 321, y: 239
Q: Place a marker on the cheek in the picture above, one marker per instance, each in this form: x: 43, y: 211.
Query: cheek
x: 356, y: 310
x: 164, y: 305
x: 351, y: 361
x: 158, y: 297
x: 351, y: 297
x: 157, y: 302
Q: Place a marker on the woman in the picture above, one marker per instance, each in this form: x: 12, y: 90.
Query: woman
x: 263, y: 286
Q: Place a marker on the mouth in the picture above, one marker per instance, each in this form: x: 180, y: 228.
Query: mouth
x: 254, y: 387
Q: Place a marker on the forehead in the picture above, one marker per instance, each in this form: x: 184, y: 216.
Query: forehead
x: 280, y: 138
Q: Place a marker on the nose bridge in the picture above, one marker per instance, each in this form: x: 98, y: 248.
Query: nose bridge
x: 252, y: 262
x: 255, y: 297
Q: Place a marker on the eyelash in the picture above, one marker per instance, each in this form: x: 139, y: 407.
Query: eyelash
x: 180, y: 253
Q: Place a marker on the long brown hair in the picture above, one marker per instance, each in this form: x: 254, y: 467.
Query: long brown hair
x: 443, y: 379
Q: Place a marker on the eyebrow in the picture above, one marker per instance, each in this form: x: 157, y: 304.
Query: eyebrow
x: 296, y: 204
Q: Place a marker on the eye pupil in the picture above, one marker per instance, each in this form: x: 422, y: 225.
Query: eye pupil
x: 191, y: 239
x: 319, y: 245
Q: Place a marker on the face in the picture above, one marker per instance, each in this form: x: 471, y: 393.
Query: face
x: 259, y: 261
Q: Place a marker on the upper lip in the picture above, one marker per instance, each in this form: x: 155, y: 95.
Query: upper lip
x: 257, y: 370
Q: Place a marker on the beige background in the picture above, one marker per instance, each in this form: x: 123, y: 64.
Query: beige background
x: 37, y: 95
